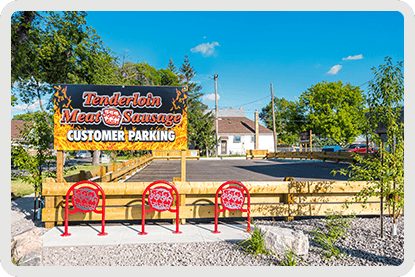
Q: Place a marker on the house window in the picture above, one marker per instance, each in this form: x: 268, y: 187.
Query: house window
x: 236, y: 139
x: 253, y: 139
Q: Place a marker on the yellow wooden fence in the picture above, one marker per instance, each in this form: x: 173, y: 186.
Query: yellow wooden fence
x: 268, y: 199
x: 175, y: 154
x: 256, y: 154
x: 111, y: 173
x: 325, y: 156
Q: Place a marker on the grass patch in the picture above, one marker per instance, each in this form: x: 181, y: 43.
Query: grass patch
x: 20, y: 189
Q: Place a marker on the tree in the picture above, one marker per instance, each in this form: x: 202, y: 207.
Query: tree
x: 58, y: 48
x: 35, y: 138
x: 289, y: 119
x: 21, y: 23
x: 334, y: 110
x: 199, y: 132
x: 385, y: 173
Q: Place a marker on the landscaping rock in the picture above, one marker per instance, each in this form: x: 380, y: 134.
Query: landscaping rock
x: 279, y: 239
x: 26, y: 243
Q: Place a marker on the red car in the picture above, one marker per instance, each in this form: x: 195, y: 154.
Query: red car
x: 358, y: 148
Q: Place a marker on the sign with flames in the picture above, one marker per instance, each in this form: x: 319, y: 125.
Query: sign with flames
x: 93, y: 117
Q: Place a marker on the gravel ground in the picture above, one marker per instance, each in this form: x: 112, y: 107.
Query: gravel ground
x: 363, y: 246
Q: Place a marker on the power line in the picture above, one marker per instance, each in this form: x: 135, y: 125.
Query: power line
x: 244, y: 104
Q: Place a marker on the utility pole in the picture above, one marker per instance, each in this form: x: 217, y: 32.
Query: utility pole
x: 273, y: 121
x: 216, y: 116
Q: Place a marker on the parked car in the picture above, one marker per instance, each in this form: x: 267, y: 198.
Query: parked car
x: 361, y: 148
x: 348, y: 148
x: 331, y: 148
x: 358, y: 148
x: 104, y: 158
x: 83, y: 154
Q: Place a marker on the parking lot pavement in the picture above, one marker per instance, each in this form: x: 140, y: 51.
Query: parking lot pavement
x: 241, y: 170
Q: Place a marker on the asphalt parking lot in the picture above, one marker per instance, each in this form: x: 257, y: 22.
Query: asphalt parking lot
x: 240, y: 170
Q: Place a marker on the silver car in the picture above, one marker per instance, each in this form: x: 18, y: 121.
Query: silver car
x: 83, y: 154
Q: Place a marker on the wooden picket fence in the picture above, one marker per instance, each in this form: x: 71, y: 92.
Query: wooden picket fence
x: 268, y: 199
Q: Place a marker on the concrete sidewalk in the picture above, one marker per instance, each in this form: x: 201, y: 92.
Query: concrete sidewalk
x: 157, y: 233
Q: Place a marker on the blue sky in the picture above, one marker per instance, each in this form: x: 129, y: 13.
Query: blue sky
x: 251, y: 50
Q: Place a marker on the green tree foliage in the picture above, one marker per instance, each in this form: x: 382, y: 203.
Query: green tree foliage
x: 334, y: 110
x: 30, y: 154
x: 29, y: 116
x: 143, y: 74
x: 199, y: 128
x: 289, y: 119
x: 385, y: 173
x: 58, y: 48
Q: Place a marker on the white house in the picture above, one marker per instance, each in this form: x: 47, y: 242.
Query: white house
x: 237, y: 133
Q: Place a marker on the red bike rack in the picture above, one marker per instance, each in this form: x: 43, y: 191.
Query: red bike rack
x: 85, y: 200
x: 232, y: 198
x: 160, y: 199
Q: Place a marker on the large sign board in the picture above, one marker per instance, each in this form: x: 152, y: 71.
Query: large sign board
x: 93, y: 117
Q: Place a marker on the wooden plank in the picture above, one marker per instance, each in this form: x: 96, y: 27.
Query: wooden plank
x: 186, y: 212
x: 211, y: 187
x: 127, y: 200
x: 49, y: 203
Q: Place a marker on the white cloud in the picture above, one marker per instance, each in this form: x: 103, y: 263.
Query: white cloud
x: 210, y: 97
x: 205, y: 48
x: 334, y: 69
x: 26, y: 107
x: 355, y: 57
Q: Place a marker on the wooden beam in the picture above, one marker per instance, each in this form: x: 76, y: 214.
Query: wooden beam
x: 183, y: 165
x: 59, y: 166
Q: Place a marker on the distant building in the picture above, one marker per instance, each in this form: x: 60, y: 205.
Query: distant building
x: 237, y: 133
x: 16, y: 126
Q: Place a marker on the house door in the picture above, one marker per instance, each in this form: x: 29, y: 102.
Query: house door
x: 223, y: 147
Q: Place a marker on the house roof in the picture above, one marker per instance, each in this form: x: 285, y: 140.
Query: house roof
x: 227, y: 112
x: 16, y: 126
x: 239, y: 125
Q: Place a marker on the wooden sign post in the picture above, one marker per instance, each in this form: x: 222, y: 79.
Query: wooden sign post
x: 306, y: 138
x: 59, y: 166
x: 183, y: 165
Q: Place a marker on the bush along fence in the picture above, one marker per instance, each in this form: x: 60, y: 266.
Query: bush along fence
x: 197, y: 200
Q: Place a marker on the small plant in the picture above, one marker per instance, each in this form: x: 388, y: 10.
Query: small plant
x: 290, y: 258
x: 327, y: 243
x: 256, y: 243
x: 18, y: 262
x: 336, y: 227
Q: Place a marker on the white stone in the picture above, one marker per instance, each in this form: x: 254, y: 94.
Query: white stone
x: 278, y: 239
